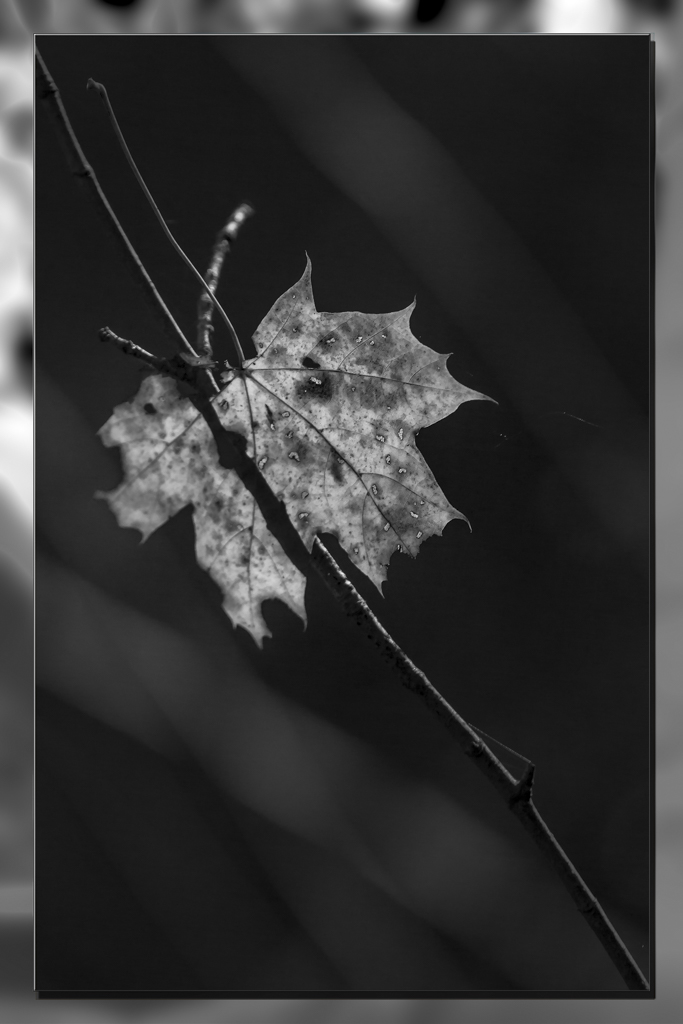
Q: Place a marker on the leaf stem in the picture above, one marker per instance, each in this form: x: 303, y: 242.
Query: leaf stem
x: 232, y: 454
x: 102, y: 93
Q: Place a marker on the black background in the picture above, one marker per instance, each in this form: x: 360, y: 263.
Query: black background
x: 517, y: 212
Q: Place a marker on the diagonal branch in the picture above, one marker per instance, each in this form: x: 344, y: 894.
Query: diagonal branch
x: 517, y: 795
x: 232, y: 455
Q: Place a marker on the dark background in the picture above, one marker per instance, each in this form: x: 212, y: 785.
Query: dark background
x: 210, y: 816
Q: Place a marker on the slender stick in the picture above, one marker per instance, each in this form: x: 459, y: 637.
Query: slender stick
x: 102, y: 93
x: 221, y: 248
x: 516, y: 794
x: 129, y: 348
x: 84, y: 174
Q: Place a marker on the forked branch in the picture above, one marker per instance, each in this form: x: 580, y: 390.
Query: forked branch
x: 232, y: 454
x: 102, y: 93
x: 47, y: 91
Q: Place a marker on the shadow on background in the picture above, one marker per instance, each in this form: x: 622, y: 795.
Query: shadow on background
x: 285, y: 775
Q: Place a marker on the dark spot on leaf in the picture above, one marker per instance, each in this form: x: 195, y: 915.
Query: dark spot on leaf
x: 336, y: 463
x: 149, y: 408
x: 309, y: 363
x: 320, y: 388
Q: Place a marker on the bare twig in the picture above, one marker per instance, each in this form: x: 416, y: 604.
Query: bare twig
x: 181, y: 366
x: 84, y: 174
x: 129, y: 348
x: 221, y: 248
x: 102, y: 93
x: 517, y: 795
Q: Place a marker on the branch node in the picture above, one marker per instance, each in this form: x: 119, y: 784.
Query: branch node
x: 476, y: 748
x: 522, y: 791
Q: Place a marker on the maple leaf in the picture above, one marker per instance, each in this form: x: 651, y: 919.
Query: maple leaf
x: 329, y: 408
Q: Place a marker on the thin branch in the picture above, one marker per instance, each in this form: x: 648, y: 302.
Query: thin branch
x: 84, y: 174
x: 517, y: 795
x: 129, y: 348
x: 183, y: 368
x: 102, y: 93
x: 221, y: 248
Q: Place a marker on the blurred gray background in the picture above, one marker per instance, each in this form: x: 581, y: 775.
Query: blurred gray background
x: 132, y: 713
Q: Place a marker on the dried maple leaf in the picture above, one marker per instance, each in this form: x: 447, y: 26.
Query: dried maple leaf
x: 329, y: 408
